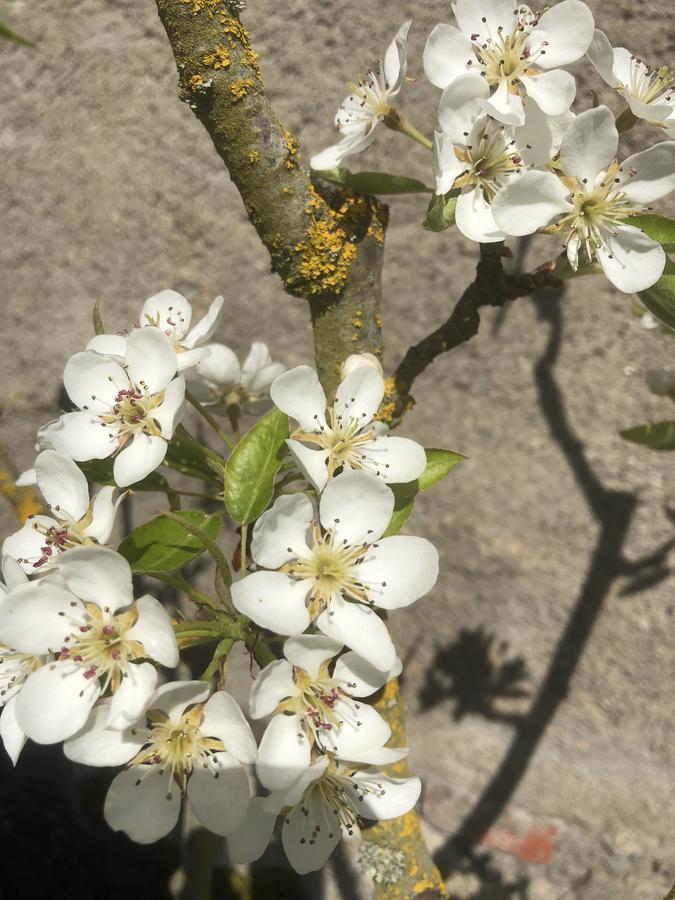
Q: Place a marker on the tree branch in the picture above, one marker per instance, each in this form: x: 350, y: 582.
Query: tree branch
x: 492, y: 286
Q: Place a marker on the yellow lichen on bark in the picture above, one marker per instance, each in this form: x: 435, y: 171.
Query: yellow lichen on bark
x: 23, y: 499
x: 237, y: 34
x: 327, y: 252
x: 217, y: 59
x: 388, y: 406
x: 240, y: 87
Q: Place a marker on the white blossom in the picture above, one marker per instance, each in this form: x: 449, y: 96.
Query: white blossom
x: 358, y: 361
x: 368, y: 103
x: 516, y: 53
x: 74, y: 519
x: 592, y: 200
x: 99, y: 639
x: 172, y: 314
x: 345, y: 436
x: 220, y: 380
x: 127, y: 409
x: 333, y: 571
x: 315, y: 708
x: 186, y: 744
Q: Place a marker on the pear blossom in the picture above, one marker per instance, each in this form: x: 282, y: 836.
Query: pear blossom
x: 345, y: 436
x: 75, y: 520
x: 593, y: 198
x: 220, y: 379
x: 187, y: 744
x: 368, y: 104
x: 127, y: 409
x: 172, y: 314
x: 517, y: 53
x: 316, y: 709
x: 101, y: 641
x: 329, y: 800
x: 649, y: 93
x: 331, y: 572
x: 358, y: 361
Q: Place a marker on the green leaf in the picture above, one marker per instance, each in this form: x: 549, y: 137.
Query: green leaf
x: 163, y: 545
x: 404, y: 500
x: 252, y: 467
x: 439, y: 463
x: 658, y: 228
x: 660, y: 297
x: 656, y: 436
x: 100, y: 471
x: 10, y: 35
x: 375, y: 182
x: 441, y: 211
x: 98, y: 320
x: 184, y: 455
x: 209, y: 544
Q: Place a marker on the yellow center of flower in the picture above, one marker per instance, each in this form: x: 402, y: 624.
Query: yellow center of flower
x: 15, y: 668
x: 490, y: 160
x: 343, y: 438
x: 131, y: 413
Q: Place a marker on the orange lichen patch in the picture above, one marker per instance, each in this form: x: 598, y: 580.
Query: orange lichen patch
x: 240, y: 87
x: 287, y: 190
x: 196, y: 83
x: 253, y: 156
x: 388, y: 406
x: 377, y: 318
x: 218, y: 58
x: 327, y: 252
x: 237, y: 34
x: 207, y: 6
x: 292, y: 146
x: 23, y: 499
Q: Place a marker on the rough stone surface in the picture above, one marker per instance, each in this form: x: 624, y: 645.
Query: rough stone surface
x: 112, y: 191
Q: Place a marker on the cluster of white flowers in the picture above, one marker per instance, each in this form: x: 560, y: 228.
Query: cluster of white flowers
x: 83, y: 661
x: 508, y: 143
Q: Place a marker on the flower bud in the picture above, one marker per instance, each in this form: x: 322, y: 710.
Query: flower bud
x: 358, y: 361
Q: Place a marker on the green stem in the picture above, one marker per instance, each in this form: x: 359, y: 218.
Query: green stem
x: 181, y: 584
x: 398, y: 122
x: 206, y: 415
x: 244, y: 541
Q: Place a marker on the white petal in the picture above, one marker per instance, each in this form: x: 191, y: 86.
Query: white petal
x: 445, y: 164
x: 258, y: 358
x: 133, y: 696
x: 35, y: 618
x: 138, y: 459
x: 27, y: 478
x: 150, y: 359
x: 475, y: 219
x: 362, y: 730
x: 172, y: 409
x: 205, y: 328
x: 565, y: 32
x: 250, y: 840
x: 484, y: 17
x: 299, y: 394
x: 312, y: 462
x: 553, y: 91
x: 395, y: 60
x: 274, y: 684
x: 92, y: 381
x: 359, y: 396
x: 294, y: 794
x: 103, y: 512
x: 219, y: 793
x: 359, y: 628
x: 109, y: 345
x: 62, y: 484
x: 279, y: 534
x: 601, y: 56
x: 223, y: 719
x: 590, y: 144
x: 359, y: 678
x: 649, y: 175
x: 330, y: 158
x: 398, y: 797
x: 460, y: 105
x: 357, y: 507
x: 530, y: 202
x: 383, y: 756
x: 154, y: 631
x: 188, y: 359
x: 82, y: 435
x: 447, y: 53
x: 273, y: 601
x: 12, y: 574
x: 11, y: 734
x: 27, y: 544
x: 284, y: 753
x: 310, y: 651
x: 143, y: 803
x: 55, y: 701
x: 260, y: 381
x: 174, y: 697
x: 98, y: 575
x: 398, y: 571
x: 221, y: 367
x: 504, y: 106
x: 309, y: 839
x: 396, y: 459
x: 632, y: 261
x: 169, y: 311
x: 96, y: 745
x: 541, y: 135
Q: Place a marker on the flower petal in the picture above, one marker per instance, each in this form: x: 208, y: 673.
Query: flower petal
x: 356, y: 507
x: 565, y: 32
x: 372, y: 802
x: 396, y: 459
x: 312, y: 462
x: 223, y: 719
x: 299, y: 394
x: 383, y: 756
x: 541, y: 135
x: 35, y: 617
x: 167, y: 310
x: 631, y: 260
x: 359, y: 628
x: 359, y: 678
x: 445, y: 164
x: 649, y: 175
x: 142, y: 803
x: 398, y: 571
x: 55, y: 701
x: 447, y: 54
x: 27, y: 545
x: 274, y: 684
x: 92, y: 381
x: 150, y: 359
x: 98, y: 575
x: 362, y: 730
x: 504, y: 106
x: 219, y: 793
x: 396, y: 60
x: 11, y: 734
x: 279, y: 535
x: 96, y: 745
x: 272, y: 600
x: 530, y: 202
x: 172, y: 408
x: 138, y: 459
x: 553, y: 91
x: 251, y: 838
x: 133, y: 696
x: 359, y: 396
x: 310, y: 838
x: 601, y: 57
x: 475, y: 219
x: 284, y: 753
x: 103, y: 512
x: 62, y: 484
x: 154, y: 631
x: 174, y: 697
x: 310, y: 651
x: 484, y: 18
x: 459, y: 107
x: 221, y: 367
x: 205, y: 328
x: 12, y: 574
x: 82, y: 435
x: 590, y: 144
x: 109, y: 345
